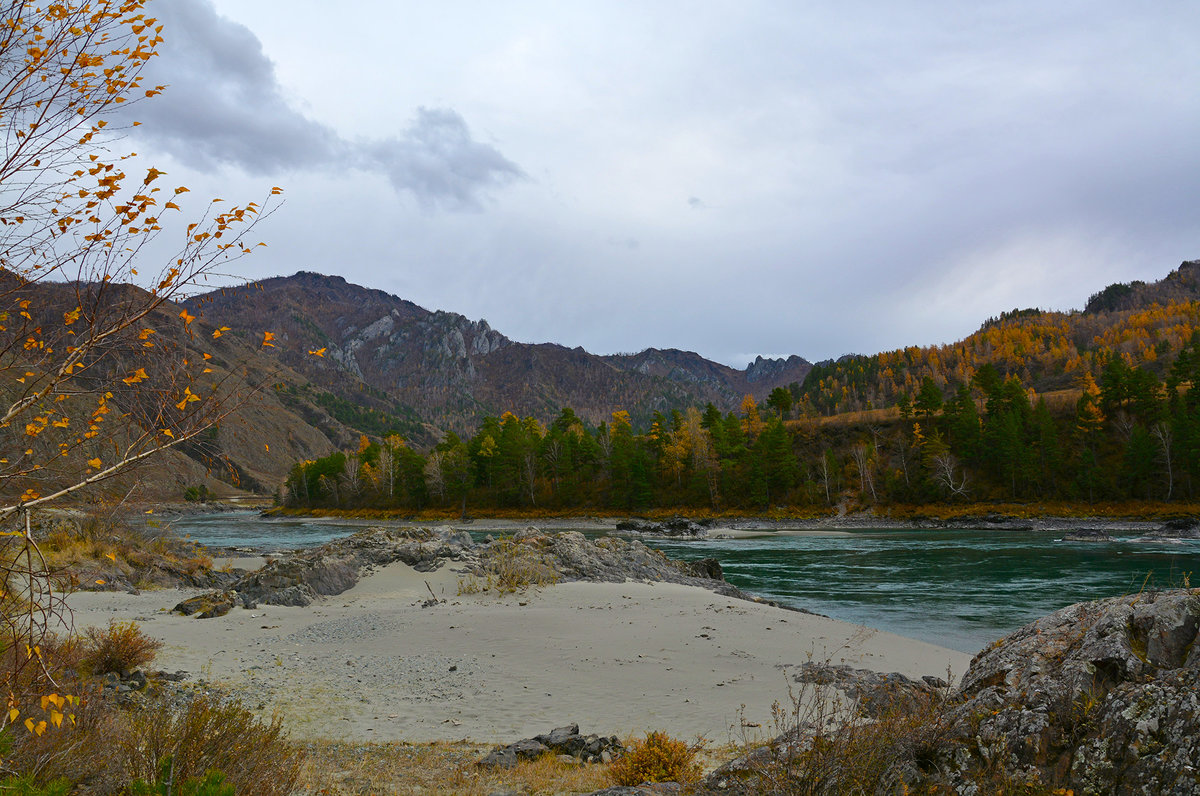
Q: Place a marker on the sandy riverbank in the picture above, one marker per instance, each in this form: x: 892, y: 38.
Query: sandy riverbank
x: 617, y: 658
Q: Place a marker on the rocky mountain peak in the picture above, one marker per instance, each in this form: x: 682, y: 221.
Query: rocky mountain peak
x: 762, y: 368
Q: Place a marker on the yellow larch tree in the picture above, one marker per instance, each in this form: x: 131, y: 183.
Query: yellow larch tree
x: 96, y: 374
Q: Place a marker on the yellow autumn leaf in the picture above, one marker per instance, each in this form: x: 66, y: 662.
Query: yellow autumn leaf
x: 320, y: 352
x: 111, y: 556
x: 94, y: 463
x: 13, y: 713
x: 136, y: 376
x: 169, y: 433
x: 218, y: 332
x: 100, y: 582
x: 267, y: 338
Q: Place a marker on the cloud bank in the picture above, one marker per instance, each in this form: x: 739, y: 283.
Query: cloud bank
x: 225, y: 107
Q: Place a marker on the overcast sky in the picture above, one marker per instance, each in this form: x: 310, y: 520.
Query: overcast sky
x: 733, y: 178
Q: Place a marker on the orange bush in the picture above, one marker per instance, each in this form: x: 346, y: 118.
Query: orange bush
x: 659, y: 758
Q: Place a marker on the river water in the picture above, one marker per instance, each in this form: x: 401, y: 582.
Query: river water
x: 957, y: 588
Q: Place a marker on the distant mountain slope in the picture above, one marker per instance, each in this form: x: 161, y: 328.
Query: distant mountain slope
x: 1182, y: 284
x: 453, y: 371
x: 1144, y: 324
x: 252, y: 449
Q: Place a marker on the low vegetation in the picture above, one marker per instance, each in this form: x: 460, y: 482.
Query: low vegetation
x: 100, y: 549
x: 902, y: 743
x: 657, y: 758
x: 91, y: 742
x: 510, y: 566
x: 119, y: 648
x: 335, y: 768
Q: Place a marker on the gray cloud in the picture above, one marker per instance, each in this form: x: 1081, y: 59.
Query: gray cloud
x: 438, y: 161
x: 779, y: 176
x: 225, y: 107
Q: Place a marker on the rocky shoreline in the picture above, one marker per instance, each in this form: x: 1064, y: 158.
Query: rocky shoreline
x: 299, y: 578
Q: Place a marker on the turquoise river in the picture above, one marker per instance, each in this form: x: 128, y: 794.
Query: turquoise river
x: 958, y: 588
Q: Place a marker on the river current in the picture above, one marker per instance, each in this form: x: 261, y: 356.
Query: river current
x: 958, y: 588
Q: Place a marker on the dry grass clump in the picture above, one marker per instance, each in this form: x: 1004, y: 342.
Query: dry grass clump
x: 209, y: 734
x: 828, y: 746
x: 119, y: 648
x: 658, y: 758
x: 99, y: 548
x: 345, y: 769
x: 838, y: 751
x: 510, y: 566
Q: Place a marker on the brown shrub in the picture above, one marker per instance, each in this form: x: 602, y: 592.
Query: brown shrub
x: 80, y: 751
x: 209, y: 734
x: 658, y: 758
x: 105, y: 747
x: 120, y: 648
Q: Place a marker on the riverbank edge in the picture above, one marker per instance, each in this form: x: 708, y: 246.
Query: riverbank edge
x: 985, y: 516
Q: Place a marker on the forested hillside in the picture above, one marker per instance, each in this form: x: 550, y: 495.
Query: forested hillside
x: 1085, y: 406
x: 1144, y: 325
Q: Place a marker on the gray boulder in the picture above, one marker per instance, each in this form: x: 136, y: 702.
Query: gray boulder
x: 872, y: 692
x: 1179, y: 529
x: 1100, y: 697
x: 564, y: 741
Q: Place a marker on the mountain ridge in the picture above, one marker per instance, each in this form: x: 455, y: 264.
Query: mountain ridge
x: 453, y: 370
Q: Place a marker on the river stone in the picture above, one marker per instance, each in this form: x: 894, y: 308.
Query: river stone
x: 208, y: 605
x: 706, y: 568
x: 1087, y: 535
x: 1185, y: 528
x: 565, y: 740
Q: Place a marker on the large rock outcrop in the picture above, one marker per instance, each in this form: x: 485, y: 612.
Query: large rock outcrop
x: 299, y: 578
x: 1099, y: 698
x: 336, y: 566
